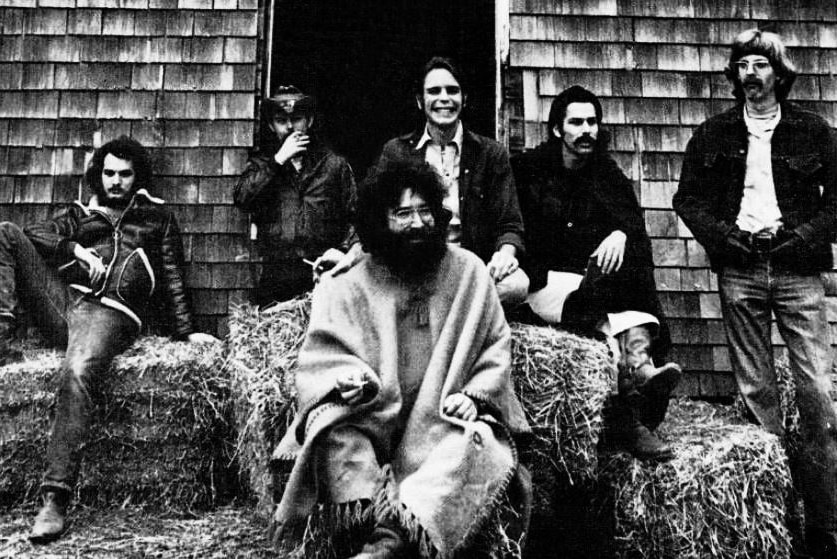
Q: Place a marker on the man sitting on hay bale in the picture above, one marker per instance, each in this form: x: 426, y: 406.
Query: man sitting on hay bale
x: 116, y: 254
x: 589, y: 261
x: 407, y: 414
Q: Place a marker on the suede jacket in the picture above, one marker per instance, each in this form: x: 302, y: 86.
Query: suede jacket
x: 141, y: 250
x: 488, y: 205
x: 803, y: 156
x: 299, y: 214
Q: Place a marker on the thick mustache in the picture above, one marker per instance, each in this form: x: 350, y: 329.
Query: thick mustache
x: 752, y: 81
x: 585, y: 139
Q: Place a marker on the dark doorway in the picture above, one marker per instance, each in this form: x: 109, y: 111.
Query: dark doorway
x: 359, y: 59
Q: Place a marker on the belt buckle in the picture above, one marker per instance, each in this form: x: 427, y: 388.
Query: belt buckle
x: 762, y: 242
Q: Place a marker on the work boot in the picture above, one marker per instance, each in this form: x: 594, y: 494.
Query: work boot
x: 51, y: 519
x: 386, y: 542
x: 655, y: 384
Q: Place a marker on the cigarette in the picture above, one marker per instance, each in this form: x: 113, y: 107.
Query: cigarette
x: 310, y: 263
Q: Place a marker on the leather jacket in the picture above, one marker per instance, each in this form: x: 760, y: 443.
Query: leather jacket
x: 299, y: 214
x: 803, y: 156
x: 141, y: 250
x: 489, y: 208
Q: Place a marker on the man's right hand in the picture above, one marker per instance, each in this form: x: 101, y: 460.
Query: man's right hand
x: 295, y: 144
x: 90, y: 261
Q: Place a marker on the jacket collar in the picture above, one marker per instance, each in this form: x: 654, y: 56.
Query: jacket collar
x: 141, y: 195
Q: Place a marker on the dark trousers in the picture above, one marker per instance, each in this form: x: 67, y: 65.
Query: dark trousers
x: 748, y: 296
x: 282, y: 280
x: 93, y: 333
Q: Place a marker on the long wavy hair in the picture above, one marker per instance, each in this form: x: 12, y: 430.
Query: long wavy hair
x: 122, y: 147
x: 769, y: 45
x: 382, y: 190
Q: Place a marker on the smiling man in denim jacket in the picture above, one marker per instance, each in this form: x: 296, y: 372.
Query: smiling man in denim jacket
x: 88, y: 276
x: 758, y: 190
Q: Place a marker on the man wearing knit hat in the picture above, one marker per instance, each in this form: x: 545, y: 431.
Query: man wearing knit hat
x: 589, y: 262
x: 300, y: 196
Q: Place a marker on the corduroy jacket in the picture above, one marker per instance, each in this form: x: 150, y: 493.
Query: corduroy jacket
x: 488, y: 205
x: 803, y: 156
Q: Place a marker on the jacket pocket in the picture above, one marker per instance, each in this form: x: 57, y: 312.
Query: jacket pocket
x: 135, y: 278
x: 804, y: 165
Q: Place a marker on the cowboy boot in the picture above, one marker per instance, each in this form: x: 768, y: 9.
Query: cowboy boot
x: 50, y: 522
x: 654, y: 383
x: 630, y: 433
x: 386, y: 542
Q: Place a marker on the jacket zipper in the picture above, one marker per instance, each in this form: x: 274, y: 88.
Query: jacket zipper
x: 116, y: 236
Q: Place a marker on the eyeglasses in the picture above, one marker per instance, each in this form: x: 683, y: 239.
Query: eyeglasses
x: 403, y: 216
x: 127, y: 173
x: 758, y: 65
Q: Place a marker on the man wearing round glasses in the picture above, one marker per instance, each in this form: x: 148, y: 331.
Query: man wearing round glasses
x: 758, y: 190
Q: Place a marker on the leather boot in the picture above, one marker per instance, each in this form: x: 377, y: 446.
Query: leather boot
x: 654, y: 383
x: 634, y: 437
x: 386, y: 542
x: 50, y: 522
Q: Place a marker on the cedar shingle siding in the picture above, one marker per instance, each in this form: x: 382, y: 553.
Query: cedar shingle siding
x: 182, y: 77
x: 178, y: 75
x: 658, y: 67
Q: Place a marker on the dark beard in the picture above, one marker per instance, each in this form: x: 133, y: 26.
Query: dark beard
x: 414, y: 254
x: 115, y: 203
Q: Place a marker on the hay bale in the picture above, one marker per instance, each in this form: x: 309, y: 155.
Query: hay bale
x: 722, y: 496
x: 562, y: 379
x: 160, y: 436
x: 264, y: 351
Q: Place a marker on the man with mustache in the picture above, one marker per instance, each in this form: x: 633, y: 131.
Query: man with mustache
x: 407, y: 419
x: 589, y: 260
x: 475, y: 170
x: 758, y: 190
x: 88, y: 277
x: 300, y: 195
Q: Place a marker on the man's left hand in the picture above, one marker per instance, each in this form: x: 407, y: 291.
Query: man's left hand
x: 503, y: 263
x: 201, y: 338
x: 610, y: 253
x: 461, y: 406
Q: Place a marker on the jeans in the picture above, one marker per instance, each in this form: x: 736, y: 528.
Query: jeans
x: 748, y: 295
x: 93, y: 334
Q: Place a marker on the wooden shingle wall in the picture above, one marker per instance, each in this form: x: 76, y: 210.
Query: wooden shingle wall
x: 657, y: 66
x: 180, y: 76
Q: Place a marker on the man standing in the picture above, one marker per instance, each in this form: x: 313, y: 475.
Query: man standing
x: 589, y: 260
x: 116, y: 254
x: 475, y: 171
x: 758, y: 190
x: 301, y: 196
x: 407, y: 413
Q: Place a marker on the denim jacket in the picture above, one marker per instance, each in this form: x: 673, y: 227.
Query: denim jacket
x: 803, y: 156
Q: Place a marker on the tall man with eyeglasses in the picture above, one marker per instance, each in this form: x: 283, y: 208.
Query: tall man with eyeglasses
x: 758, y: 190
x: 87, y: 277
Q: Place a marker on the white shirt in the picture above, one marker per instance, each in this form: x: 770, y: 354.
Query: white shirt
x: 445, y: 161
x: 759, y: 208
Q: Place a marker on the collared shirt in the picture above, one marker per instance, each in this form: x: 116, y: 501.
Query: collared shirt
x: 759, y: 207
x: 445, y: 161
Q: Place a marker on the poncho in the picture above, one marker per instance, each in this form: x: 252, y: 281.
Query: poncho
x: 444, y: 476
